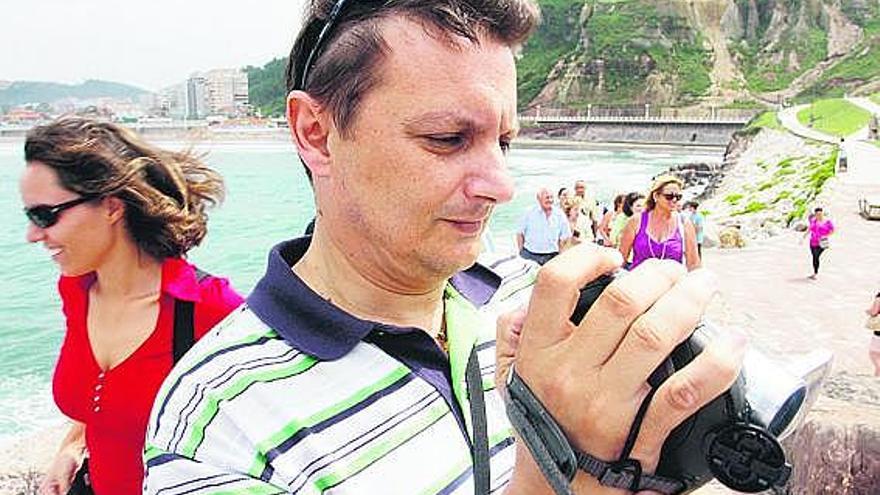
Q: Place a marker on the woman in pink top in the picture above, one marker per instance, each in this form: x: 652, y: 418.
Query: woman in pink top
x: 820, y: 229
x: 874, y: 348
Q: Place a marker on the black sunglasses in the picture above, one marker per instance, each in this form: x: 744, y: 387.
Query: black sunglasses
x: 672, y: 196
x: 329, y: 24
x: 44, y: 216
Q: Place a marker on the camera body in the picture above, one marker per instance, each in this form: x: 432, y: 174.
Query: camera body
x: 735, y: 437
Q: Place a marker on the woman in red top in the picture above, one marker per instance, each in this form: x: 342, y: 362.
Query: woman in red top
x: 117, y: 216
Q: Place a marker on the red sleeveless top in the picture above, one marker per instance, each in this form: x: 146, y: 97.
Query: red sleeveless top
x: 115, y: 404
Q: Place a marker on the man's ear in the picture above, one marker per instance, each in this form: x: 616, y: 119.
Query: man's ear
x: 309, y: 127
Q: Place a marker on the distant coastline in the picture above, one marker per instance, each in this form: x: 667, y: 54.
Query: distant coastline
x: 281, y: 135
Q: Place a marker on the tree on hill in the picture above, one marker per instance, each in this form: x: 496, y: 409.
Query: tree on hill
x: 266, y: 89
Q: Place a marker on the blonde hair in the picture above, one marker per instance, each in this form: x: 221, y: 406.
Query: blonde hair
x: 165, y: 193
x: 659, y: 183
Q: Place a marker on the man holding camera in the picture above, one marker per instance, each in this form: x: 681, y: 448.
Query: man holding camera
x: 364, y: 361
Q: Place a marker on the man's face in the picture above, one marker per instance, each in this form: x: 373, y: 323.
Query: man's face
x: 410, y: 192
x: 580, y: 188
x: 545, y: 199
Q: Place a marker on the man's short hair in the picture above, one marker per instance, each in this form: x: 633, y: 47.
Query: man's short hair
x: 345, y: 67
x: 692, y: 204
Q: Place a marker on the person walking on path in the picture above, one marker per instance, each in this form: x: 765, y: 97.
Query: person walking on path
x: 693, y: 209
x: 117, y: 216
x: 661, y: 231
x: 820, y: 231
x: 874, y: 325
x: 544, y: 230
x: 841, y: 156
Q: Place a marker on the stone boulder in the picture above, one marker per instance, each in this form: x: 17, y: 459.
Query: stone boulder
x: 731, y: 237
x: 837, y: 450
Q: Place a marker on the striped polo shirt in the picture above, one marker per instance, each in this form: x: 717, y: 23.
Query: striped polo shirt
x: 291, y: 394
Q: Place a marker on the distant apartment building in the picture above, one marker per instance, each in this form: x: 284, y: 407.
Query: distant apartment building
x: 197, y: 97
x: 171, y: 102
x: 218, y: 92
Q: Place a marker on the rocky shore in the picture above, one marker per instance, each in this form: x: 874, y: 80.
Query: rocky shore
x: 766, y: 184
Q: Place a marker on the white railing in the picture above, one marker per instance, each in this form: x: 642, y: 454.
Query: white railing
x: 636, y: 114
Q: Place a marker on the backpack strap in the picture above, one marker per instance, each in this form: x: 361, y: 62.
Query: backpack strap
x: 184, y: 328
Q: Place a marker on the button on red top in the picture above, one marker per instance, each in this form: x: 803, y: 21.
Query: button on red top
x: 115, y: 404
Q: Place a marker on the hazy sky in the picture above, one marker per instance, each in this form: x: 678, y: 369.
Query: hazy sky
x: 148, y: 43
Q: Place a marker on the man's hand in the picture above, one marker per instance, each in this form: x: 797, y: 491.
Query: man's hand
x: 506, y: 343
x: 592, y: 377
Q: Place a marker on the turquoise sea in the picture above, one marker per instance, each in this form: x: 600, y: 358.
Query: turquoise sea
x: 268, y: 200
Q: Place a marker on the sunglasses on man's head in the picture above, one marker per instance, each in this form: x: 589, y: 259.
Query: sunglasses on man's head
x: 44, y: 216
x: 329, y: 24
x: 672, y: 196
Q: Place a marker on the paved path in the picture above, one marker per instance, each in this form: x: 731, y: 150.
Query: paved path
x: 865, y: 103
x: 765, y: 290
x: 788, y: 118
x: 765, y: 286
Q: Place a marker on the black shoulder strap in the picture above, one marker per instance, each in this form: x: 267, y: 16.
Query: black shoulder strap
x: 478, y: 421
x: 184, y: 329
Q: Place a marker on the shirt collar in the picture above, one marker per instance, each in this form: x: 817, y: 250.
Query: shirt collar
x: 311, y: 323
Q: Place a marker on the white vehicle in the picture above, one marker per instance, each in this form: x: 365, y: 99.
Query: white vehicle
x: 869, y: 207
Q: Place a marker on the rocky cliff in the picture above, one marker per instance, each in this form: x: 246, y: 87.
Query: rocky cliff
x: 680, y: 52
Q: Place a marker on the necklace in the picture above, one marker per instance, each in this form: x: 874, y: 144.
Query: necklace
x: 442, y: 339
x: 663, y: 244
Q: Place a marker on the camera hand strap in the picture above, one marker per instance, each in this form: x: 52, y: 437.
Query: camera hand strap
x: 557, y: 459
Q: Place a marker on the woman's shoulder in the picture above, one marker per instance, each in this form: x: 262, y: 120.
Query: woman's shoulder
x: 218, y: 291
x: 185, y: 280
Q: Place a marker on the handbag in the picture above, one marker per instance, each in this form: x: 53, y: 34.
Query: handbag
x: 873, y: 323
x: 824, y: 243
x: 81, y: 484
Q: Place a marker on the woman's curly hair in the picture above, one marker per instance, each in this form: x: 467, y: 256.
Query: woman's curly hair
x: 166, y: 193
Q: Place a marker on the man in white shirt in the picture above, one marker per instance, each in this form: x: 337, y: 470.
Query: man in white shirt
x: 543, y: 230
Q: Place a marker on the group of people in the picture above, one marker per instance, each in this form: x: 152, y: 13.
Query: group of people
x: 371, y: 357
x: 657, y: 225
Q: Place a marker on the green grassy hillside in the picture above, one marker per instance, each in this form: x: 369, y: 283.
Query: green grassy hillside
x: 863, y: 64
x: 837, y: 117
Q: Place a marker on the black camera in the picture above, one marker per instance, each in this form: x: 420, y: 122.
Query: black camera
x: 734, y: 438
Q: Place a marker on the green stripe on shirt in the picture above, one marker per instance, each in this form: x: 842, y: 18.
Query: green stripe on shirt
x: 293, y: 427
x: 419, y: 423
x: 212, y: 402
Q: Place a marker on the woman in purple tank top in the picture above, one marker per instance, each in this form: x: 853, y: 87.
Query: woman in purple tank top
x: 661, y: 231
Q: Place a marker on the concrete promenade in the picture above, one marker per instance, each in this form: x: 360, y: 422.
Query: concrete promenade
x: 765, y: 288
x: 765, y: 291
